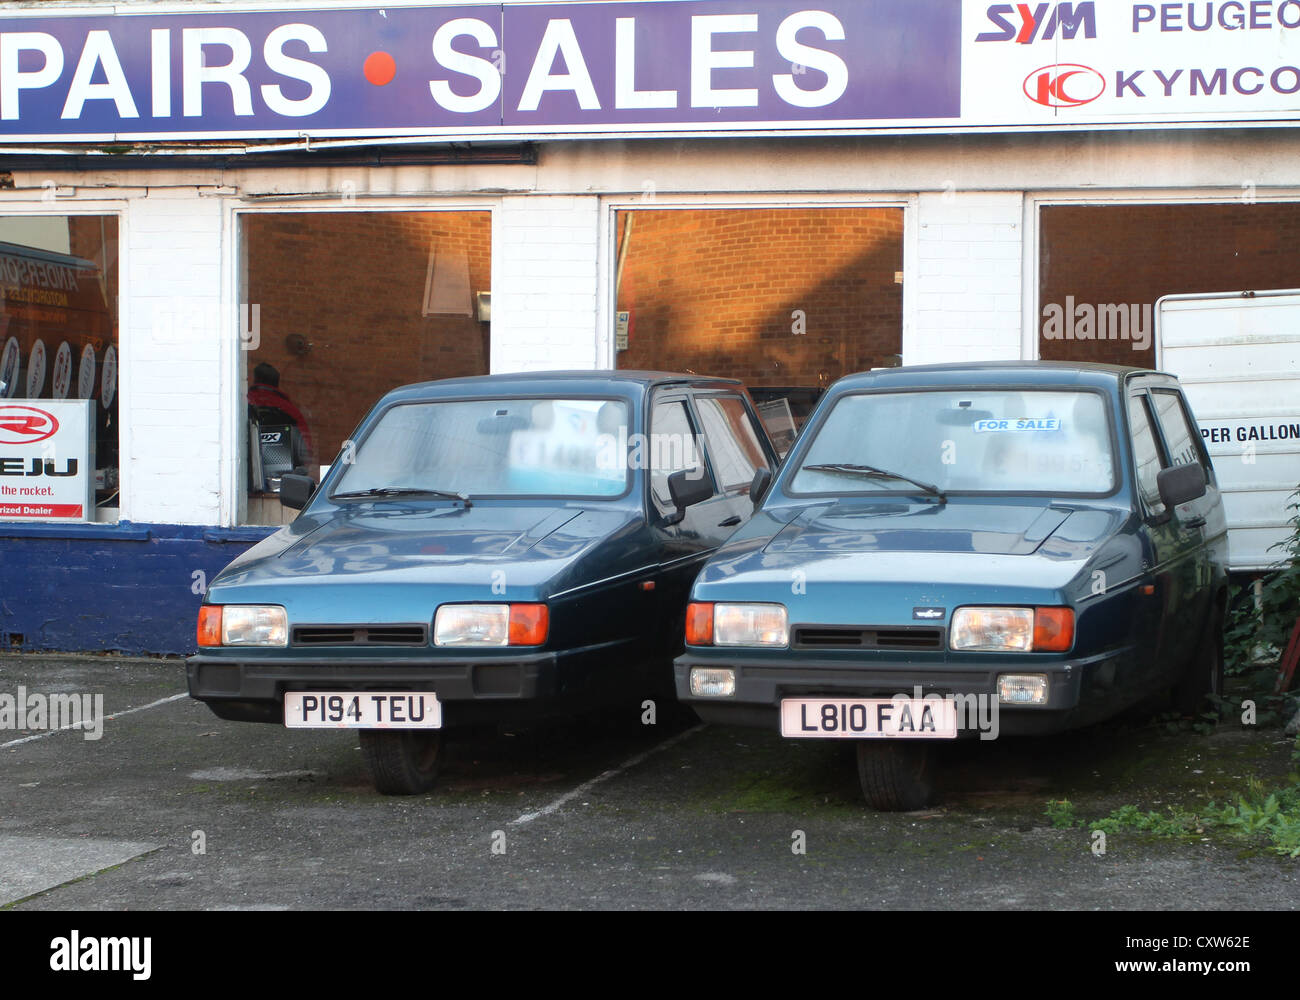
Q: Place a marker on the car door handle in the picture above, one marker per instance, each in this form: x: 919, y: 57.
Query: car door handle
x: 1196, y: 522
x: 730, y: 522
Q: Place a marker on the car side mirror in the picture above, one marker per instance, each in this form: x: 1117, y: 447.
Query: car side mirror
x: 296, y: 490
x: 687, y: 488
x: 1181, y: 484
x: 759, y: 484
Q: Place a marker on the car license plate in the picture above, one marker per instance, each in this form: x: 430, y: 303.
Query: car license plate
x: 869, y: 718
x: 362, y: 710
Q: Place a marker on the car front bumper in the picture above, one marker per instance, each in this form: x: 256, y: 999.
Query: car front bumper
x: 251, y: 689
x: 762, y: 684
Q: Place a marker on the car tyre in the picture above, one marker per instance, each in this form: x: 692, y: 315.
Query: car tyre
x: 402, y: 762
x: 896, y: 776
x: 1202, y: 678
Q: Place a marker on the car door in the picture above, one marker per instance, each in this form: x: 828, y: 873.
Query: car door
x: 674, y: 444
x: 1194, y: 522
x: 736, y: 447
x: 1165, y: 622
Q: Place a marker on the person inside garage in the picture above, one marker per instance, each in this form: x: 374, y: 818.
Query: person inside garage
x: 269, y: 406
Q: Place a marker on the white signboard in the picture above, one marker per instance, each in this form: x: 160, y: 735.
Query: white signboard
x: 1123, y: 63
x: 47, y: 460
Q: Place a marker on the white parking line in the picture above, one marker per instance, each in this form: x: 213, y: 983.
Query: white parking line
x: 588, y: 786
x: 82, y: 725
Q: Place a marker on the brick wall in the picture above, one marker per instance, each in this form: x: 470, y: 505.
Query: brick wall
x: 716, y: 291
x: 1134, y: 254
x: 353, y: 284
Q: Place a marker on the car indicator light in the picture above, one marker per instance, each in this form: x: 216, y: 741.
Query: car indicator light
x: 699, y: 625
x: 209, y: 629
x: 1053, y: 630
x: 529, y: 624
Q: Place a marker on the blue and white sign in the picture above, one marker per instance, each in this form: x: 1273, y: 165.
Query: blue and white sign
x: 476, y: 69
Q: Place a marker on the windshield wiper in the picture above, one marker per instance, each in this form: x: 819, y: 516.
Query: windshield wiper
x: 871, y: 472
x: 402, y: 491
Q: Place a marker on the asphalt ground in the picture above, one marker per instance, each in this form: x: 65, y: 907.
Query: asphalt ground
x: 175, y: 809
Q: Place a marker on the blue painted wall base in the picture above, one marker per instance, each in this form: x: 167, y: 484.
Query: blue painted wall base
x: 127, y: 588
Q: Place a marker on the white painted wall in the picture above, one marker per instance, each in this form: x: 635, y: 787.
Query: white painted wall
x: 545, y: 277
x: 963, y: 278
x: 173, y: 359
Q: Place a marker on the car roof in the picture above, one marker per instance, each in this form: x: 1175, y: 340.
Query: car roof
x: 972, y: 373
x: 561, y: 381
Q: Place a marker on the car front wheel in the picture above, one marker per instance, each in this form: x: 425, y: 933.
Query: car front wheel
x: 402, y: 762
x: 896, y: 775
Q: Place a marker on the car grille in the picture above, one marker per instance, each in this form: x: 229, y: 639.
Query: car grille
x: 361, y: 635
x: 855, y: 637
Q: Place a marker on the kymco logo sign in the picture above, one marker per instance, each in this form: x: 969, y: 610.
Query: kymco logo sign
x: 1064, y: 85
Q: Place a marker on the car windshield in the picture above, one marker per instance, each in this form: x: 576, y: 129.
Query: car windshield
x: 986, y: 441
x: 492, y: 448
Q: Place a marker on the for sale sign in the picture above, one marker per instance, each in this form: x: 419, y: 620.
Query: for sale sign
x: 47, y: 460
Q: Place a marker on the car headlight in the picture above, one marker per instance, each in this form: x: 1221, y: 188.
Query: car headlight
x: 1014, y: 630
x: 482, y: 625
x: 243, y: 625
x: 748, y: 625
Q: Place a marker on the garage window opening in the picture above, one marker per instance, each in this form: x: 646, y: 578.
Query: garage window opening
x: 785, y: 299
x: 339, y: 309
x: 59, y: 368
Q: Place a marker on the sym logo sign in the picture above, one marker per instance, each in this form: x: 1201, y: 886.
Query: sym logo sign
x: 1064, y: 85
x: 26, y: 425
x: 1028, y: 23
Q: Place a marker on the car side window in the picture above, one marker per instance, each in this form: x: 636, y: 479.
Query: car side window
x: 733, y: 445
x: 1179, y: 435
x: 671, y: 448
x: 1146, y: 451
